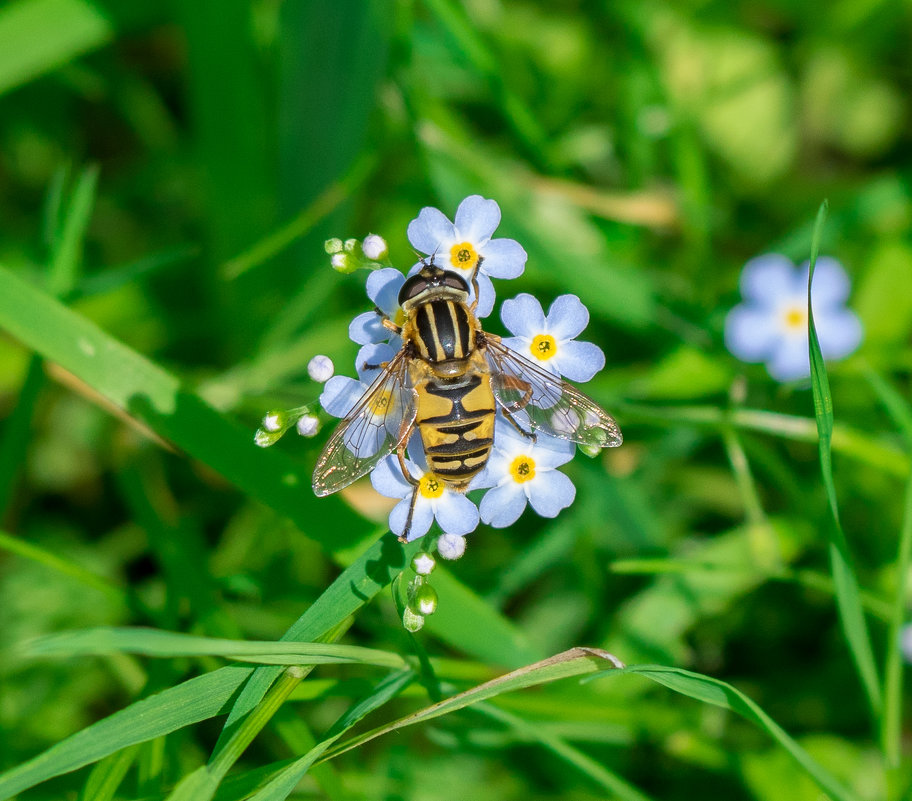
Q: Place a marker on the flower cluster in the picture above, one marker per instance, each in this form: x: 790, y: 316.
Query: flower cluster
x: 771, y: 325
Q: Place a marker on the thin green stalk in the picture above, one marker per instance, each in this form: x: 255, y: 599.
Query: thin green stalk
x: 848, y: 601
x: 891, y: 722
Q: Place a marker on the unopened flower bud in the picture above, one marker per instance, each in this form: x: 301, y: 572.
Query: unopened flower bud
x: 343, y: 263
x: 275, y: 421
x: 424, y: 601
x: 411, y: 621
x: 308, y: 425
x: 451, y: 546
x: 320, y: 368
x: 374, y: 247
x: 333, y: 245
x: 350, y: 245
x: 423, y: 563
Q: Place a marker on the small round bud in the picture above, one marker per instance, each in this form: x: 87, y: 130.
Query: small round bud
x: 423, y: 563
x: 451, y: 546
x: 320, y: 368
x: 341, y: 262
x: 424, y: 601
x: 333, y: 245
x: 590, y: 450
x: 308, y: 425
x: 411, y: 621
x: 274, y: 421
x: 350, y: 245
x: 374, y: 247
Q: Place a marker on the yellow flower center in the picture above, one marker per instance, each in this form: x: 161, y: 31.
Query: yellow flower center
x: 399, y: 318
x: 380, y: 404
x: 463, y: 256
x: 543, y: 347
x: 430, y: 486
x: 796, y: 317
x: 522, y: 469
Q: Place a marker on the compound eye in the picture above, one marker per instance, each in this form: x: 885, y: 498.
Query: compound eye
x: 455, y: 281
x: 411, y: 288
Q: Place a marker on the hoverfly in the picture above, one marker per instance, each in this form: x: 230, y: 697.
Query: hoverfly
x: 448, y: 381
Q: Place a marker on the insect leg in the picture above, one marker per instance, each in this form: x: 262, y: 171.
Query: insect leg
x: 400, y: 453
x: 391, y: 326
x: 411, y: 513
x: 369, y: 366
x: 474, y: 303
x: 527, y: 434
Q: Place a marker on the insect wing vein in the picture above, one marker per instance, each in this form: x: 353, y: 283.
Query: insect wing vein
x: 539, y: 400
x: 374, y: 428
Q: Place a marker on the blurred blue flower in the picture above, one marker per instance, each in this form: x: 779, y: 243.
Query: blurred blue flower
x: 520, y: 471
x: 549, y: 342
x: 455, y: 513
x: 461, y: 245
x: 771, y: 324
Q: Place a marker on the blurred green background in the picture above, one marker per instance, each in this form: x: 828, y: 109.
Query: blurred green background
x: 170, y: 171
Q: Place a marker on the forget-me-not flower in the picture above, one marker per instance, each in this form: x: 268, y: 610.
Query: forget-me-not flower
x: 549, y: 342
x: 520, y: 471
x: 771, y: 324
x: 461, y: 245
x: 455, y: 513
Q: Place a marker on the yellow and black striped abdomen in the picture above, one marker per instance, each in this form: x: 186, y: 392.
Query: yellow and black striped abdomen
x: 456, y: 422
x: 443, y: 331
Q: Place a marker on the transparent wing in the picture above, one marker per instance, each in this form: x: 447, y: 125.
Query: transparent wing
x: 374, y: 428
x: 539, y: 400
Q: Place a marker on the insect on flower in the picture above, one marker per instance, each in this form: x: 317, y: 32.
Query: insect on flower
x: 446, y: 383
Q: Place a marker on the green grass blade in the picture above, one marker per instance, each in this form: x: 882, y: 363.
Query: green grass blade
x: 585, y: 764
x: 154, y: 642
x: 107, y: 775
x: 575, y: 662
x: 155, y: 397
x: 188, y: 703
x: 848, y: 601
x: 282, y: 784
x: 67, y: 252
x: 891, y: 721
x: 718, y: 693
x: 202, y: 784
x: 17, y: 431
x: 212, y: 694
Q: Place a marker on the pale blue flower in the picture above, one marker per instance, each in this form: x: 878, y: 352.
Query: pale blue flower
x: 549, y: 342
x: 341, y: 394
x: 383, y: 289
x: 455, y: 513
x: 771, y: 324
x: 520, y: 471
x: 458, y: 245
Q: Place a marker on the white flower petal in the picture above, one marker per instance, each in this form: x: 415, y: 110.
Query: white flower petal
x: 477, y: 219
x: 831, y: 283
x: 502, y: 505
x: 523, y: 316
x: 486, y: 296
x: 503, y: 258
x: 367, y: 328
x: 383, y: 289
x: 388, y: 480
x: 550, y: 492
x: 768, y: 278
x: 790, y: 360
x: 431, y: 232
x: 578, y: 361
x: 455, y: 513
x: 566, y: 318
x: 421, y: 519
x: 839, y: 331
x: 340, y: 395
x: 751, y: 332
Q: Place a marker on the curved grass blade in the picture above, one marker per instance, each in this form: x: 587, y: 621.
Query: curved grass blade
x: 848, y: 600
x: 158, y: 643
x: 108, y: 774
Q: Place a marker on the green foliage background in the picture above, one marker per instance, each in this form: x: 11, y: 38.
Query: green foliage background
x: 168, y: 174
